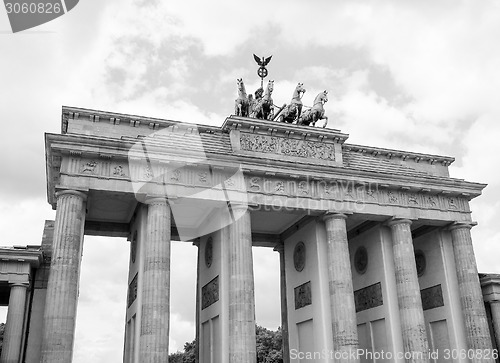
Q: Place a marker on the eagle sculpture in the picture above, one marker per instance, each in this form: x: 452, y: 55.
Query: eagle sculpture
x: 262, y: 62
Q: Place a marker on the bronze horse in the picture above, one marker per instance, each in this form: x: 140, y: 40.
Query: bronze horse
x: 317, y: 112
x: 241, y: 104
x: 292, y: 112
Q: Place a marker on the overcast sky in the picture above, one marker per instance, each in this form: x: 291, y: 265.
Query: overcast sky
x: 420, y: 76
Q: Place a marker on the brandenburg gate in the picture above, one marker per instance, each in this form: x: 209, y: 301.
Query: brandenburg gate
x: 375, y: 244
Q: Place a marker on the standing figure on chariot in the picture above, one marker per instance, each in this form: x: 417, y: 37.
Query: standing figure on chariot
x: 263, y: 105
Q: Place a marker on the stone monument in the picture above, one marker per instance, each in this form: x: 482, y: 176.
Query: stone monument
x: 375, y: 244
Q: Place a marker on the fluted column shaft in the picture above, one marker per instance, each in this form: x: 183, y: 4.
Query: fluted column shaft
x: 155, y: 315
x: 495, y: 316
x: 343, y: 310
x: 284, y: 305
x: 13, y: 335
x: 242, y: 342
x: 62, y: 287
x: 198, y: 305
x: 471, y: 297
x: 408, y: 290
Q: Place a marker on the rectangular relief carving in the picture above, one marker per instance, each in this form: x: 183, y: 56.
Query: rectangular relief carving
x: 210, y: 293
x: 287, y: 147
x: 368, y: 297
x: 432, y: 297
x: 132, y: 291
x: 303, y: 295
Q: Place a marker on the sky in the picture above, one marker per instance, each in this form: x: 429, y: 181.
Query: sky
x: 421, y: 76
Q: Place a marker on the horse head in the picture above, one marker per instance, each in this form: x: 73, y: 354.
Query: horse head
x: 241, y: 87
x: 298, y: 90
x: 322, y: 97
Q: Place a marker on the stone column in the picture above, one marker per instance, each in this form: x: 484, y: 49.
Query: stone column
x: 62, y: 287
x: 242, y: 343
x: 155, y: 317
x: 13, y: 335
x: 198, y: 304
x: 471, y: 297
x: 408, y: 291
x: 344, y: 325
x: 495, y: 317
x: 284, y: 305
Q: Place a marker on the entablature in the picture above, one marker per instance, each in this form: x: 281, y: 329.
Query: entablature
x: 112, y: 159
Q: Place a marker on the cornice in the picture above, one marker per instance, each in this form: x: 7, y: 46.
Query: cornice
x: 151, y: 123
x: 392, y: 153
x: 14, y: 254
x: 280, y: 129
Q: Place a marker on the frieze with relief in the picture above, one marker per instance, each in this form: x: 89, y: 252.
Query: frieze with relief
x: 367, y: 193
x: 287, y: 147
x: 338, y: 190
x: 89, y: 167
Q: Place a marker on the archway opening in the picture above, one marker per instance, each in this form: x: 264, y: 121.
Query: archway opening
x: 102, y: 300
x: 266, y: 266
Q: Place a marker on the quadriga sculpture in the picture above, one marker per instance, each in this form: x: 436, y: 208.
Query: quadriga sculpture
x: 292, y: 112
x: 317, y: 112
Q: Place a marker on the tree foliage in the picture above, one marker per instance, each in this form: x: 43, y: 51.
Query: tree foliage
x: 188, y: 356
x: 269, y: 348
x: 269, y: 345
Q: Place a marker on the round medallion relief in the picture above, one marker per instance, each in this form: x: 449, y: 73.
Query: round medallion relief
x: 209, y: 252
x: 133, y: 247
x: 299, y: 256
x: 420, y: 262
x: 361, y: 260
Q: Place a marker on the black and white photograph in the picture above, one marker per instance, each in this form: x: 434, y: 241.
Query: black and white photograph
x: 249, y: 182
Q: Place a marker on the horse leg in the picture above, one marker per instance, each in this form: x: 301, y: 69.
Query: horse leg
x: 270, y: 116
x: 299, y: 110
x: 314, y: 119
x: 326, y: 122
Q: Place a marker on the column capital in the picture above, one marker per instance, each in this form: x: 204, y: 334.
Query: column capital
x: 239, y: 206
x: 19, y: 284
x: 78, y: 193
x: 336, y: 215
x: 395, y: 221
x: 461, y: 224
x: 280, y: 247
x: 155, y: 199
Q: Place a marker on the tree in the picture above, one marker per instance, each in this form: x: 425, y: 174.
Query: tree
x: 188, y: 356
x: 269, y: 345
x: 2, y: 331
x: 269, y: 348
